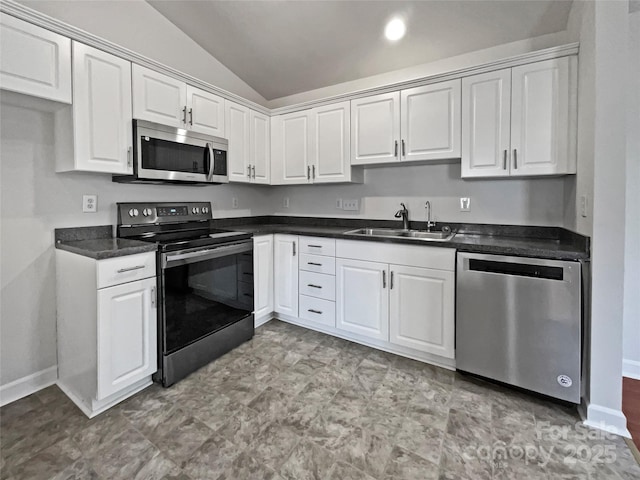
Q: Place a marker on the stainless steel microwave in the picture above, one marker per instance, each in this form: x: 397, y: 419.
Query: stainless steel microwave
x: 163, y: 154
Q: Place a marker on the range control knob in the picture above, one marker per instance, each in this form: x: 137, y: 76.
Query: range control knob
x: 146, y: 212
x: 133, y: 212
x: 195, y: 210
x: 205, y: 209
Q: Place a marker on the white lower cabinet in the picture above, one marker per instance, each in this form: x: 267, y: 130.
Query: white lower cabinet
x: 107, y: 330
x: 285, y: 267
x: 262, y: 277
x: 362, y: 298
x: 421, y: 309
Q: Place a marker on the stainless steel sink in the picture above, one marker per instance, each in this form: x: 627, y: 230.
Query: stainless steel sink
x: 437, y: 236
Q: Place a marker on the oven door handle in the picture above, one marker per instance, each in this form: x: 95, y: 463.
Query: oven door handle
x: 174, y: 260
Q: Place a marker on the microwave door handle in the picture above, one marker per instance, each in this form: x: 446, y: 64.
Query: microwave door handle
x: 210, y: 153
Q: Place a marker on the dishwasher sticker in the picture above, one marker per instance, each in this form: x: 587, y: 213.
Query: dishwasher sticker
x: 565, y: 381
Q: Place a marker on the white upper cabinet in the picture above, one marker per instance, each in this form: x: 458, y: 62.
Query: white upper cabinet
x: 375, y: 129
x: 158, y: 98
x: 430, y: 121
x: 205, y: 112
x: 260, y: 148
x: 237, y: 119
x: 162, y: 99
x: 542, y: 110
x: 486, y: 124
x: 331, y: 144
x: 34, y: 61
x: 101, y: 114
x: 291, y: 148
x: 520, y: 121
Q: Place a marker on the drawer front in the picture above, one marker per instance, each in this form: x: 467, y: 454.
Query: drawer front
x: 114, y: 271
x: 317, y: 285
x: 318, y: 246
x: 317, y: 263
x: 317, y: 310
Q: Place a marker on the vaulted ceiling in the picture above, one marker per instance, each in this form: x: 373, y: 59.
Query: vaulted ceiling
x: 282, y: 47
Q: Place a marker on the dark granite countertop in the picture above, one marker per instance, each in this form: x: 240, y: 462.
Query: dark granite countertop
x: 540, y: 242
x: 98, y: 242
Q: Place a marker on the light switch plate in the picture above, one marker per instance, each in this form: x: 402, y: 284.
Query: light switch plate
x: 285, y: 202
x: 90, y: 203
x: 351, y: 204
x: 234, y: 202
x: 339, y: 204
x: 584, y: 206
x: 465, y: 204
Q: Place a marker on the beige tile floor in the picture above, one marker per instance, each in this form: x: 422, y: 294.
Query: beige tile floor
x: 297, y: 404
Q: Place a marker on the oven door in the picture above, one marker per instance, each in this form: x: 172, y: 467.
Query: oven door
x: 174, y: 154
x: 204, y: 291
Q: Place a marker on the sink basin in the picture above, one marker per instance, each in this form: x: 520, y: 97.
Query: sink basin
x: 395, y: 233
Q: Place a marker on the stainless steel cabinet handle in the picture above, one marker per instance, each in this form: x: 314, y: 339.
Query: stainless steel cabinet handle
x: 249, y: 171
x: 404, y: 153
x: 313, y: 263
x: 153, y: 297
x: 384, y: 279
x: 313, y: 286
x: 391, y: 281
x: 313, y: 172
x: 253, y: 169
x: 314, y: 246
x: 129, y: 156
x: 308, y: 172
x: 130, y: 269
x: 395, y: 149
x: 184, y: 115
x: 294, y: 248
x: 191, y: 116
x: 315, y: 311
x: 504, y: 160
x: 515, y: 158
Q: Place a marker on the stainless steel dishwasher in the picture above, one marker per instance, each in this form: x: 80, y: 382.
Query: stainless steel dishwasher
x: 518, y: 321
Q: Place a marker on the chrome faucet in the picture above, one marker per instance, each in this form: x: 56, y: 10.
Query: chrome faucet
x: 429, y: 222
x: 404, y: 213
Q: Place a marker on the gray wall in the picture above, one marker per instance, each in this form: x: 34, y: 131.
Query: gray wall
x: 34, y: 200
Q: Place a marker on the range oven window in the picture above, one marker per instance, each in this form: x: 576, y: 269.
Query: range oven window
x: 202, y: 296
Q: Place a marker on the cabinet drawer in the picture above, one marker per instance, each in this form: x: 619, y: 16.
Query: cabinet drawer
x: 317, y: 263
x: 318, y: 285
x: 114, y: 271
x: 317, y: 310
x: 318, y: 246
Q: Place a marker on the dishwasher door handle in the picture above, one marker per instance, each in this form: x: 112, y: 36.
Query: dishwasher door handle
x: 518, y: 269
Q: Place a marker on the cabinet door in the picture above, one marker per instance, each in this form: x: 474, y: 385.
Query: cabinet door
x: 158, y: 98
x: 205, y: 112
x: 486, y: 124
x: 237, y: 120
x: 101, y: 111
x: 285, y: 260
x: 421, y: 309
x: 263, y: 275
x: 291, y: 148
x: 431, y: 121
x: 260, y: 148
x: 375, y: 129
x: 126, y: 335
x: 541, y: 141
x: 362, y: 298
x: 331, y: 143
x: 34, y: 61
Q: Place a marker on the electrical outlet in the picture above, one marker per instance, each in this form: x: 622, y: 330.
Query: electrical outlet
x: 234, y: 202
x: 465, y: 204
x: 584, y: 206
x: 351, y: 204
x: 285, y: 202
x: 89, y: 203
x: 339, y: 204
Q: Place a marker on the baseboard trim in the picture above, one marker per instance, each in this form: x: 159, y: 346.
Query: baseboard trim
x: 258, y: 322
x: 631, y: 369
x: 607, y: 419
x: 25, y: 386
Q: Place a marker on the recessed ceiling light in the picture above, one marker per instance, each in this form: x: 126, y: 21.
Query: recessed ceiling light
x: 395, y: 29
